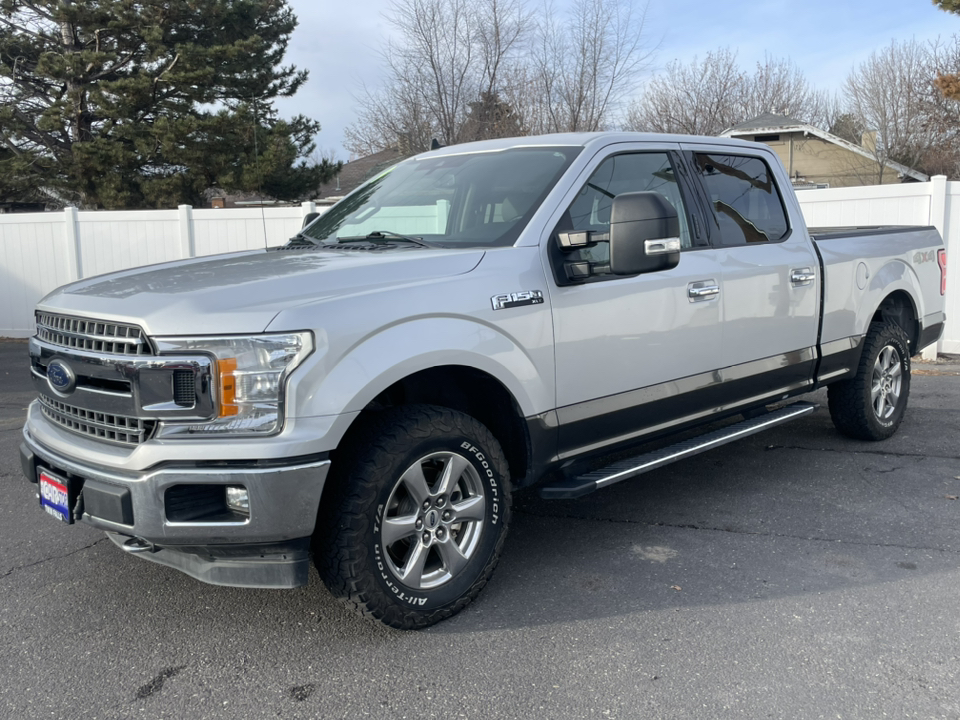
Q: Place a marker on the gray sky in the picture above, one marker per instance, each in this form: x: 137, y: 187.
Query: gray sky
x: 338, y: 42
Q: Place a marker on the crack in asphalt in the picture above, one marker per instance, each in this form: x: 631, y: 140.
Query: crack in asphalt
x: 54, y: 557
x: 732, y: 531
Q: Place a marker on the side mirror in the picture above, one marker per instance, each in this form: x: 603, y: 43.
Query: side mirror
x: 644, y: 234
x: 309, y: 218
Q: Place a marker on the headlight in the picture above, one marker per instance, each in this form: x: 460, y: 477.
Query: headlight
x: 248, y: 379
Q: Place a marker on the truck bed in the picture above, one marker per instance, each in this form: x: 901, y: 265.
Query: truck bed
x: 862, y: 265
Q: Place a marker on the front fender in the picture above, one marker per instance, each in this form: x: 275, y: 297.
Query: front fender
x: 398, y: 351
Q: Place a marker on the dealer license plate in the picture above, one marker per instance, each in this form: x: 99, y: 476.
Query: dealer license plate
x: 55, y: 496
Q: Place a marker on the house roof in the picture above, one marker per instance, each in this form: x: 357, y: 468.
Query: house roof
x: 765, y: 122
x: 356, y: 172
x: 772, y: 123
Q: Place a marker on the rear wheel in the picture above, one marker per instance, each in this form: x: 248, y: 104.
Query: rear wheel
x: 871, y: 405
x: 417, y: 517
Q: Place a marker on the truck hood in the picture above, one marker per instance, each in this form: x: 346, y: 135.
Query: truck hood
x: 243, y: 292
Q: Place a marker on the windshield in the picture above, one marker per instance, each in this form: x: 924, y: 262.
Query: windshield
x: 472, y: 200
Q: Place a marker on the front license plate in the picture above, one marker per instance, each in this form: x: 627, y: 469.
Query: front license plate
x: 55, y: 496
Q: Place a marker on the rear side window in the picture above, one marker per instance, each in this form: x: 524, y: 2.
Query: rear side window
x: 745, y: 199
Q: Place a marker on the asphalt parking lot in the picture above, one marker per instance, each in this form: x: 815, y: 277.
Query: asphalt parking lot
x: 795, y: 574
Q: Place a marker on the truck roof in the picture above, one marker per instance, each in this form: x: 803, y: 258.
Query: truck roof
x: 591, y: 139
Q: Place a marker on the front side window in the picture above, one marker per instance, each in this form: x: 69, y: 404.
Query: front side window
x: 745, y: 199
x: 590, y: 210
x: 480, y: 199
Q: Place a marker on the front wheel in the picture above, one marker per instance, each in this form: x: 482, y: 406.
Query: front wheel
x: 870, y: 406
x: 417, y: 516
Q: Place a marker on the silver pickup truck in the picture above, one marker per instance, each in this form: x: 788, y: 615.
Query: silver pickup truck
x: 477, y: 319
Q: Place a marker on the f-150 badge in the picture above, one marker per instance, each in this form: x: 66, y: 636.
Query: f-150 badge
x: 517, y: 299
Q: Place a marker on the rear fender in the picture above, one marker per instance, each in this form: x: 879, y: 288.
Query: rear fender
x: 895, y: 275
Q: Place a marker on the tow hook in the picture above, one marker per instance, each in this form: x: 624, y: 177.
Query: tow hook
x: 135, y: 545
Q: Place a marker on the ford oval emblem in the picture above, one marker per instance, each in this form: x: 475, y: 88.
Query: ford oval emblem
x: 61, y: 378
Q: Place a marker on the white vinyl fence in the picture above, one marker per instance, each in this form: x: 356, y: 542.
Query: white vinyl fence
x: 40, y: 251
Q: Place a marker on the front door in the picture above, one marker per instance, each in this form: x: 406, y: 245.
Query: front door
x: 631, y: 352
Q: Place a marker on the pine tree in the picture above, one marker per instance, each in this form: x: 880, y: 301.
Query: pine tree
x: 949, y: 83
x: 146, y: 103
x: 490, y: 117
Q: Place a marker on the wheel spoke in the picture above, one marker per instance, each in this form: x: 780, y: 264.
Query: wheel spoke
x: 878, y: 403
x: 893, y: 397
x: 453, y: 560
x: 896, y: 371
x: 412, y: 571
x: 473, y: 508
x: 875, y: 393
x: 884, y: 359
x: 452, y: 472
x: 395, y: 529
x: 416, y: 483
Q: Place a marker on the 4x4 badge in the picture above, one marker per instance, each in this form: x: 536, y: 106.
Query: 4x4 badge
x: 517, y: 299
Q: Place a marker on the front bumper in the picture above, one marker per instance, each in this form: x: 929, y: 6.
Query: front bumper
x: 270, y: 548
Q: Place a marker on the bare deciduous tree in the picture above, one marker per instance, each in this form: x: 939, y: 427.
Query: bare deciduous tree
x: 890, y: 94
x: 448, y: 52
x: 463, y: 70
x: 584, y: 66
x: 706, y: 97
x: 779, y: 86
x: 699, y: 98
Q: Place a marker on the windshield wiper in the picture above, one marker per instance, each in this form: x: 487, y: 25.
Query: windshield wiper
x: 301, y: 239
x: 387, y: 234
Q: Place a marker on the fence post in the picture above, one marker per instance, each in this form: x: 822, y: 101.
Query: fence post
x: 938, y: 218
x: 71, y: 232
x: 188, y: 244
x: 307, y: 207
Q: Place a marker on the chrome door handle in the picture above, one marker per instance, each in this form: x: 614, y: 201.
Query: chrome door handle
x: 703, y: 292
x: 802, y: 276
x: 661, y: 247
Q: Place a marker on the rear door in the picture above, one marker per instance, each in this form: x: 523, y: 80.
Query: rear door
x: 770, y: 286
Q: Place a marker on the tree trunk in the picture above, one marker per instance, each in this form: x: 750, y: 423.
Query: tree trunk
x: 76, y: 93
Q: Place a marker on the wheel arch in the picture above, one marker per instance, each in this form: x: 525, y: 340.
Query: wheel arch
x: 452, y: 362
x: 899, y: 308
x: 466, y: 389
x: 894, y: 295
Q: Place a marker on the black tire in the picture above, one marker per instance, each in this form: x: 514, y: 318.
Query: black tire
x: 870, y: 406
x: 393, y: 543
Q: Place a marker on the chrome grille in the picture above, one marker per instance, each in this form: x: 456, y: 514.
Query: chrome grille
x: 102, y: 426
x: 100, y: 336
